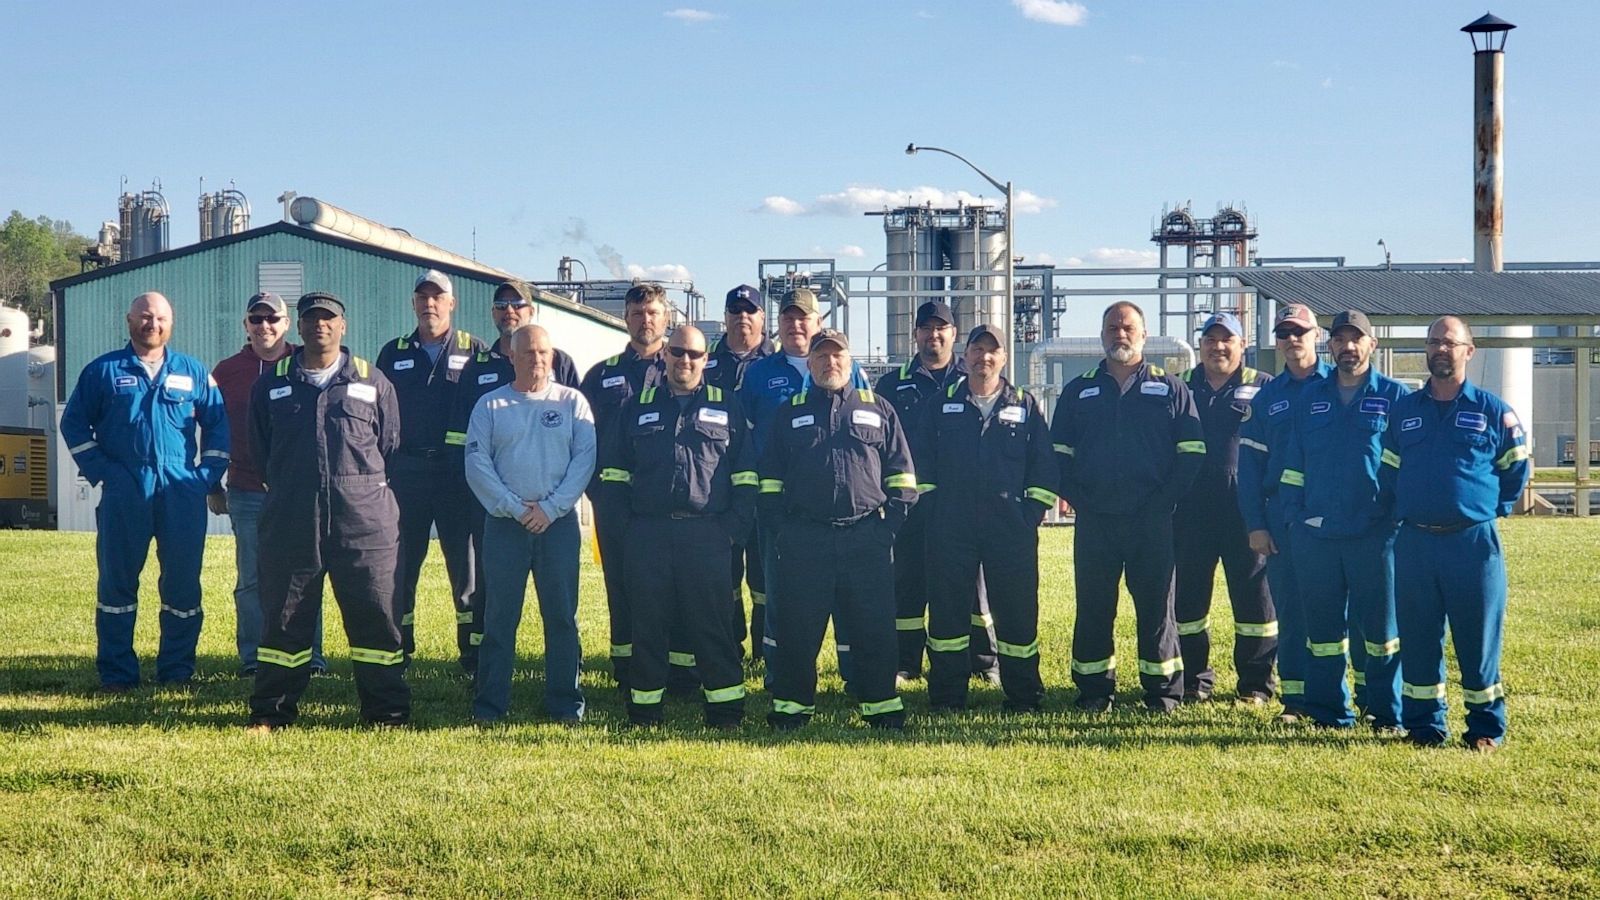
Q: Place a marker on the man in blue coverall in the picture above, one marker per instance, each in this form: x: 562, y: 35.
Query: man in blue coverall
x: 1343, y: 528
x: 130, y: 426
x: 1462, y: 462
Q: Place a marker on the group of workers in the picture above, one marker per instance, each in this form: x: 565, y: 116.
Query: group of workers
x: 1353, y: 520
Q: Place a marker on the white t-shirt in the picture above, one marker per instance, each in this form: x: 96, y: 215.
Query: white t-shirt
x: 321, y: 377
x: 151, y: 367
x: 799, y: 363
x: 985, y: 405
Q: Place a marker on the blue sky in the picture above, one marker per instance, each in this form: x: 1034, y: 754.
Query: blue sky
x: 696, y: 139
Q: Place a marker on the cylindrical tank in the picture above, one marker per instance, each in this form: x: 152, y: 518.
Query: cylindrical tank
x: 223, y: 213
x: 13, y: 367
x: 911, y: 245
x: 313, y: 212
x: 979, y: 245
x: 42, y: 386
x: 144, y: 224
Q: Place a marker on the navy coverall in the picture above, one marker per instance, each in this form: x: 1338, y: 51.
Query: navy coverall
x: 329, y: 510
x: 1126, y: 457
x: 429, y: 479
x: 1342, y: 528
x: 987, y: 482
x: 836, y: 484
x: 134, y: 435
x: 1207, y: 528
x: 1461, y: 465
x: 725, y: 369
x: 688, y: 481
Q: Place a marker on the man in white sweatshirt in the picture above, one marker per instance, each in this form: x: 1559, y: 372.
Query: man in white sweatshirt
x: 530, y: 452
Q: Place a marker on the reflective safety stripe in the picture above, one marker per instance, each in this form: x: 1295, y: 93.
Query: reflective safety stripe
x: 647, y: 698
x: 1422, y: 691
x: 117, y: 610
x: 772, y: 485
x: 621, y: 476
x: 746, y: 479
x: 1094, y: 666
x: 982, y: 620
x: 1361, y: 679
x: 1191, y: 446
x: 925, y: 488
x: 180, y: 613
x: 1387, y: 648
x: 463, y: 340
x: 680, y: 659
x: 768, y: 642
x: 283, y: 364
x: 455, y: 438
x: 1292, y: 688
x: 1163, y: 667
x: 408, y: 619
x: 86, y: 445
x: 1253, y: 445
x: 949, y: 645
x: 464, y: 618
x: 286, y: 660
x: 377, y: 657
x: 1391, y: 459
x: 216, y: 454
x: 882, y: 706
x: 1512, y: 456
x: 1198, y: 626
x: 713, y: 393
x: 903, y: 480
x: 865, y: 394
x: 474, y: 639
x: 360, y: 364
x: 1256, y: 629
x: 1488, y: 695
x: 908, y: 624
x: 758, y: 598
x: 1064, y: 448
x: 1330, y: 648
x: 621, y: 650
x: 791, y: 708
x: 724, y: 695
x: 647, y: 396
x: 1048, y: 498
x: 1294, y: 477
x: 841, y: 648
x: 1017, y: 651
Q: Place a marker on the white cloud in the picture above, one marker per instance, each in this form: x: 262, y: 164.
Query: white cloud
x: 1113, y: 258
x: 1327, y: 82
x: 779, y: 205
x: 667, y: 272
x: 1053, y: 12
x: 1041, y: 259
x: 852, y: 251
x: 685, y: 14
x: 859, y: 198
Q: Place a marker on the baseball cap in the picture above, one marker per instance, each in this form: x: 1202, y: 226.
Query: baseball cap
x: 1226, y: 320
x: 741, y: 296
x: 803, y: 299
x: 436, y: 278
x: 522, y: 292
x: 935, y: 309
x: 1297, y: 315
x: 990, y: 330
x: 268, y: 299
x: 829, y: 336
x: 319, y: 300
x: 1352, y: 318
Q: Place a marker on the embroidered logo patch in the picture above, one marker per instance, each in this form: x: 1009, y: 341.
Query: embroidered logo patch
x: 1088, y: 392
x: 866, y: 417
x: 1013, y: 414
x: 1246, y: 391
x: 1321, y: 406
x: 1472, y: 421
x: 1278, y: 407
x: 551, y: 418
x: 1375, y: 405
x: 363, y: 392
x: 1411, y: 424
x: 1155, y: 388
x: 712, y: 362
x: 713, y: 416
x: 179, y: 383
x: 456, y: 363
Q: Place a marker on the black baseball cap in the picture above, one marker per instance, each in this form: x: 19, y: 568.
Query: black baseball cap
x: 989, y: 330
x: 742, y: 296
x: 935, y: 309
x: 1352, y: 318
x: 319, y: 300
x: 829, y: 336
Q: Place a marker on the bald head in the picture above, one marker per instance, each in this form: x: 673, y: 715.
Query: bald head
x: 149, y: 323
x: 532, y: 357
x: 686, y: 359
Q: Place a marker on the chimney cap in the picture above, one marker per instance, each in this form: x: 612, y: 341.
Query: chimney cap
x: 1488, y: 24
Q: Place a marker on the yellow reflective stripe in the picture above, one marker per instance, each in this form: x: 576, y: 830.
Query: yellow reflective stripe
x: 1329, y: 648
x: 283, y: 365
x: 400, y: 343
x: 377, y: 657
x: 1488, y: 695
x: 463, y: 340
x: 713, y: 393
x: 1017, y: 651
x: 458, y: 438
x: 611, y: 361
x: 464, y: 617
x: 758, y: 598
x: 772, y: 485
x: 280, y: 658
x: 620, y: 476
x: 746, y: 479
x: 1387, y: 648
x: 1161, y: 667
x: 1391, y: 459
x: 1253, y: 445
x: 882, y: 706
x: 724, y: 695
x: 1422, y: 691
x: 1198, y: 626
x: 647, y: 396
x: 908, y: 624
x: 1294, y: 477
x: 408, y: 619
x: 474, y: 639
x: 360, y: 364
x: 1064, y: 448
x: 949, y: 645
x: 791, y: 708
x: 621, y: 650
x: 1292, y: 688
x: 982, y: 620
x: 680, y: 659
x: 1256, y: 629
x: 903, y: 480
x: 1512, y: 456
x: 1249, y: 376
x: 1094, y: 666
x: 865, y: 394
x: 798, y: 399
x: 1361, y: 679
x: 1191, y: 446
x: 925, y: 488
x: 647, y: 698
x: 1157, y: 370
x: 1048, y: 498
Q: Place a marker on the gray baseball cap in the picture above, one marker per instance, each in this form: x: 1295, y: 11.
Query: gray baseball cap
x: 268, y: 299
x: 1352, y: 318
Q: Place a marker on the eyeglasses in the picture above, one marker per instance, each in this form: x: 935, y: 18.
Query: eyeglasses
x: 1287, y: 333
x: 513, y: 304
x: 265, y: 320
x: 681, y: 352
x: 1447, y: 346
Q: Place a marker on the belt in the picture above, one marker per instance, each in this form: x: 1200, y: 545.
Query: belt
x: 687, y: 515
x: 842, y: 523
x: 423, y: 452
x: 1452, y: 528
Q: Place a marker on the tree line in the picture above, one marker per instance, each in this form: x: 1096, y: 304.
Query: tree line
x: 34, y: 252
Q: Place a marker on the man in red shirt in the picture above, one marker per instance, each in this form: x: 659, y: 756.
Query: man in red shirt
x: 266, y: 323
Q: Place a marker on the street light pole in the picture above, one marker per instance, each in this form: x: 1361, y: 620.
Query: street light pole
x: 1011, y: 283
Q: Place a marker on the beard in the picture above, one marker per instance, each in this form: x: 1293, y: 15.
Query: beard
x: 1124, y: 355
x: 832, y: 382
x: 1441, y: 366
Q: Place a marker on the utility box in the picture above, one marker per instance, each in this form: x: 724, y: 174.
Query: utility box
x: 24, y: 479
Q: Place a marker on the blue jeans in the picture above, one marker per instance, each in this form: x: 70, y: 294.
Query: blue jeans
x: 510, y: 553
x: 244, y: 512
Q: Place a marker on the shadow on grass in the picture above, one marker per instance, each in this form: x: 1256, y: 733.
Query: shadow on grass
x: 40, y: 693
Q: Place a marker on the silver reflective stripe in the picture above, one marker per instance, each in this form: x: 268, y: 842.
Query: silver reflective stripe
x: 181, y: 613
x: 219, y: 454
x: 86, y: 445
x: 116, y: 610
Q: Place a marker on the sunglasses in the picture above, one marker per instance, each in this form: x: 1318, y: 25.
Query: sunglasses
x: 265, y: 320
x: 514, y: 304
x: 681, y: 352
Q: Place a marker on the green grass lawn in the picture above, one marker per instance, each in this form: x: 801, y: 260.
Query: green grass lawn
x: 161, y: 793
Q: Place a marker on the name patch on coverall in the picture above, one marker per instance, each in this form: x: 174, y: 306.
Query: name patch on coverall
x: 649, y: 417
x: 180, y: 383
x: 866, y: 417
x: 278, y: 393
x: 954, y: 407
x: 1088, y: 392
x: 401, y: 365
x: 613, y: 381
x: 1155, y: 388
x: 366, y: 393
x: 802, y: 421
x: 1014, y: 414
x: 714, y: 416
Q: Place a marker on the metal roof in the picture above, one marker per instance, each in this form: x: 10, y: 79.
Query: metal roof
x: 1391, y: 293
